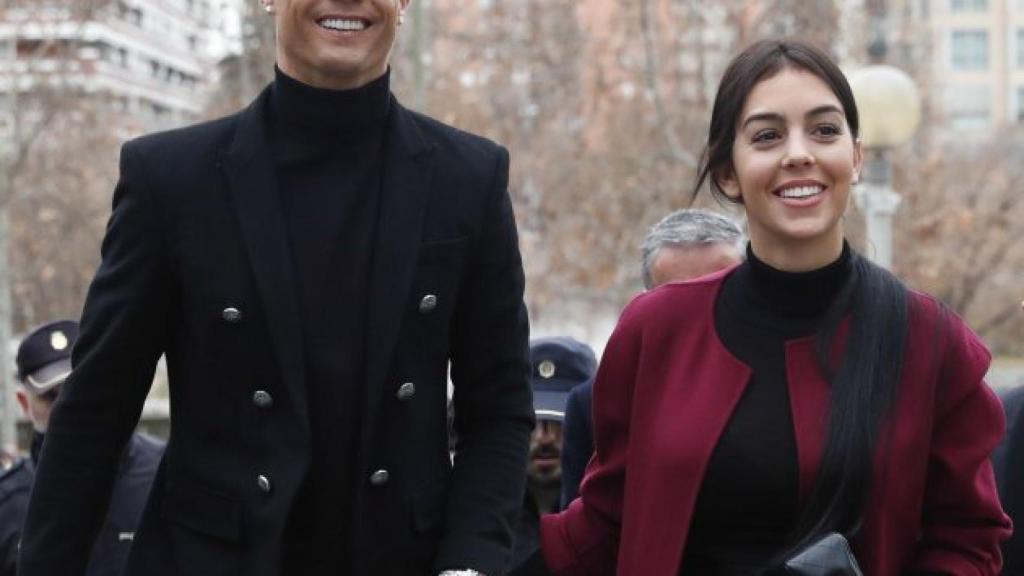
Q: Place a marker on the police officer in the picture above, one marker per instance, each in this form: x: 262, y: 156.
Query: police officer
x: 558, y: 364
x: 44, y: 361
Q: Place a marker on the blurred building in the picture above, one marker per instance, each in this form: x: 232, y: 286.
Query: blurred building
x: 978, y: 61
x: 149, y: 58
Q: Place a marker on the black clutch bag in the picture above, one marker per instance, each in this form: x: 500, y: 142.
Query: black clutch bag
x: 829, y: 556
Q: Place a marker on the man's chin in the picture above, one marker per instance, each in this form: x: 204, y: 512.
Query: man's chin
x: 545, y: 479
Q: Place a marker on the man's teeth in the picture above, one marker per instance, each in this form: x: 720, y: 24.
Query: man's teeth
x: 338, y: 24
x: 801, y: 192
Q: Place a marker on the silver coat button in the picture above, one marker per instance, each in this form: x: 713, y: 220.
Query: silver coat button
x: 232, y: 315
x: 380, y: 477
x: 264, y: 483
x: 428, y: 303
x: 262, y: 399
x: 406, y: 391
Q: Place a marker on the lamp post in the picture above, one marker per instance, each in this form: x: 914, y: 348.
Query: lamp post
x: 890, y: 110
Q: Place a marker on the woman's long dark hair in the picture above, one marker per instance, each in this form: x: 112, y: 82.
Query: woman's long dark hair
x: 865, y: 378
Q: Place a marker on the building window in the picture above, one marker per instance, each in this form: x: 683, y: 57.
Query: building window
x: 970, y: 50
x: 968, y: 5
x: 1020, y: 47
x: 1020, y: 104
x: 970, y: 107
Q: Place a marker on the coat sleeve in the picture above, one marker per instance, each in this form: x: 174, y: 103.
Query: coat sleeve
x: 583, y: 540
x: 963, y: 522
x: 122, y: 336
x: 492, y: 399
x: 578, y: 442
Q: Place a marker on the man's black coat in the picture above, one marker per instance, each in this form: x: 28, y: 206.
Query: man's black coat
x: 196, y: 265
x: 577, y: 439
x: 1008, y: 462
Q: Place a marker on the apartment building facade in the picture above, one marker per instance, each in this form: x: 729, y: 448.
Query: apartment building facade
x: 151, y: 59
x: 978, y: 62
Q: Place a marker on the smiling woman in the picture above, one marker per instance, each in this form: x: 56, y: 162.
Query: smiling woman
x: 336, y: 45
x: 803, y: 396
x: 793, y: 162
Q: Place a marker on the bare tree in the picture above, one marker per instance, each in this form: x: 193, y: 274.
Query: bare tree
x: 957, y: 236
x: 35, y: 101
x: 605, y: 105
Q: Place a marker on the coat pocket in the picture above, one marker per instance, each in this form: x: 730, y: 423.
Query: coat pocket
x: 203, y: 510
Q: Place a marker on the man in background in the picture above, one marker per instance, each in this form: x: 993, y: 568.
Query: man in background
x: 44, y: 362
x: 684, y: 245
x: 556, y: 366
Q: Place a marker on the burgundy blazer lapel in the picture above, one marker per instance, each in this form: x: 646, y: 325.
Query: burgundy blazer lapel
x: 686, y: 409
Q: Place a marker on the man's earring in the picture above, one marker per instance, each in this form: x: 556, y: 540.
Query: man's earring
x: 856, y: 178
x: 269, y: 8
x: 401, y: 17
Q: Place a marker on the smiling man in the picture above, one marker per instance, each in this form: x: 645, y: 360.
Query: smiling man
x: 311, y: 267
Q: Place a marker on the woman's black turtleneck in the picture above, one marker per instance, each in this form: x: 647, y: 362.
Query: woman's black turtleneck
x: 328, y: 150
x: 747, y: 505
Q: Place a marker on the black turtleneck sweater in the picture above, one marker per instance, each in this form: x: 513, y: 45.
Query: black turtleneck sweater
x: 747, y: 506
x: 328, y: 151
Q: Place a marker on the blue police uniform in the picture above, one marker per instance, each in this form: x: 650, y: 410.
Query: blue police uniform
x: 131, y: 489
x: 15, y: 486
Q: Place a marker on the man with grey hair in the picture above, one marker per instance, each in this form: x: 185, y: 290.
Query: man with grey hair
x: 690, y: 243
x: 686, y: 244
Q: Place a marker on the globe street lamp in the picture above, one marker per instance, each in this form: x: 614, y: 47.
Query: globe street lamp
x: 890, y: 110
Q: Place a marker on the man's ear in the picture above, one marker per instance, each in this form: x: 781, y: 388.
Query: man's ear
x: 22, y: 397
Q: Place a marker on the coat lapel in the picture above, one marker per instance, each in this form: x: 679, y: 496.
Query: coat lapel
x: 696, y: 415
x: 249, y: 166
x: 404, y: 194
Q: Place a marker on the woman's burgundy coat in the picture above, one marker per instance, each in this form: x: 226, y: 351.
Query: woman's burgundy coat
x: 667, y: 387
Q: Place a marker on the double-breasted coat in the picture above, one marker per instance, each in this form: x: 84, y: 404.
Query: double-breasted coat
x: 665, y: 391
x: 196, y: 266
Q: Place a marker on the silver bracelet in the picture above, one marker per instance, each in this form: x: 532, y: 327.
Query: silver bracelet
x: 464, y: 572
